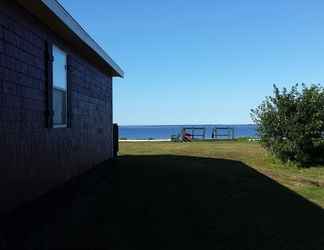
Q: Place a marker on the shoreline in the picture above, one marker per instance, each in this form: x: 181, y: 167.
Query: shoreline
x: 146, y: 140
x: 170, y: 140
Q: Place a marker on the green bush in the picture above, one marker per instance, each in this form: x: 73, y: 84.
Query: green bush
x: 291, y: 124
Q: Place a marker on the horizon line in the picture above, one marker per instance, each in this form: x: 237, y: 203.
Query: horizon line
x: 185, y: 124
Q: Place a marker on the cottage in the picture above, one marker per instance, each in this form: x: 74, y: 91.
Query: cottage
x: 55, y: 99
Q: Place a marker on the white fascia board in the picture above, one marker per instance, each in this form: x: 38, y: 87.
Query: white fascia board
x: 76, y: 28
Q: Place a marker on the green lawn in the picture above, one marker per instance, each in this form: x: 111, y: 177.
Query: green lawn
x: 202, y: 195
x: 308, y: 182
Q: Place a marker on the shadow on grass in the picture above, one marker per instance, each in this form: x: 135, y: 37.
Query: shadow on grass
x: 169, y: 202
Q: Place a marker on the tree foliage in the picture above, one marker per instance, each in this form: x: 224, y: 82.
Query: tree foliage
x: 291, y: 123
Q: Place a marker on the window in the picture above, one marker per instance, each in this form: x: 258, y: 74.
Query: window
x: 59, y: 88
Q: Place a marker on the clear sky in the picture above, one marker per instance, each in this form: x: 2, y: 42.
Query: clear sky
x: 203, y: 62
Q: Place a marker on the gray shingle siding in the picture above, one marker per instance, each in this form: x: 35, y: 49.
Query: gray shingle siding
x: 35, y: 158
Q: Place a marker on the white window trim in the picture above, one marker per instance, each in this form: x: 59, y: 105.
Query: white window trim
x: 60, y: 126
x: 65, y: 125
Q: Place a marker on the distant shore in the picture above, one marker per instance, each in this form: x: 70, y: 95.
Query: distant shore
x: 154, y: 133
x: 169, y: 140
x: 145, y: 140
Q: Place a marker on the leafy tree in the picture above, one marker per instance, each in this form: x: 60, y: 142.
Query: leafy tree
x: 291, y: 123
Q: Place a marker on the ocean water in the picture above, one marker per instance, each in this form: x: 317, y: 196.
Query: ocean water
x: 166, y: 131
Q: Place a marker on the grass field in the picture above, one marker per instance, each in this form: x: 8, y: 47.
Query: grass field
x: 308, y: 182
x: 163, y: 195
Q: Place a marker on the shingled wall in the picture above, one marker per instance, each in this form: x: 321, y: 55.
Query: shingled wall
x: 33, y: 157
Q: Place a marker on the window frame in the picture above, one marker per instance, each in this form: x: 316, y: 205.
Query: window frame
x: 57, y: 88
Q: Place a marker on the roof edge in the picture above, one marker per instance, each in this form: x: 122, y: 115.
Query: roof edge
x: 71, y: 24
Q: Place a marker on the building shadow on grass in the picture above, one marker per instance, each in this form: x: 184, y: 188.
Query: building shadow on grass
x: 169, y: 202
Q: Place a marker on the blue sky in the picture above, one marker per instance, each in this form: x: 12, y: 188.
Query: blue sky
x: 203, y: 62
